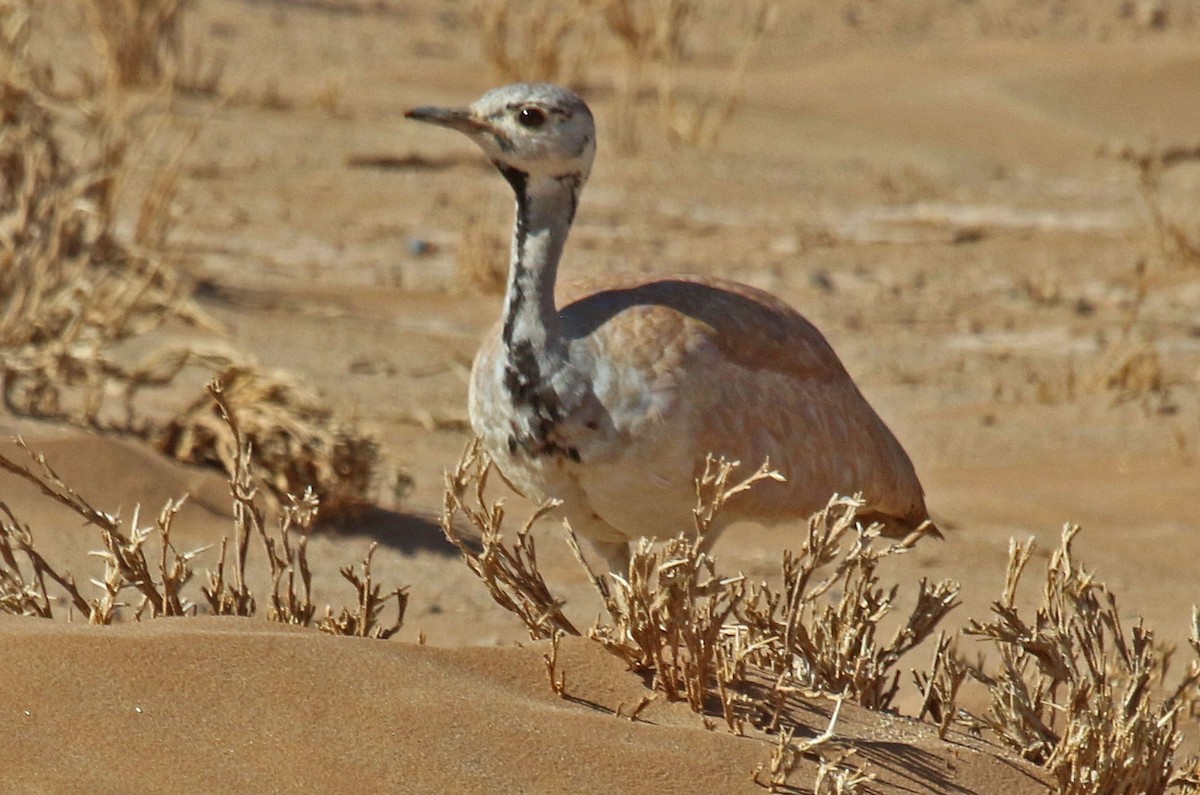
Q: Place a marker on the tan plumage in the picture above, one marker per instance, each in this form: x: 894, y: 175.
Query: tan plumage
x: 610, y: 397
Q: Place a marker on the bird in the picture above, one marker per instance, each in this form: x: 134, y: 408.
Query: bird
x: 609, y: 393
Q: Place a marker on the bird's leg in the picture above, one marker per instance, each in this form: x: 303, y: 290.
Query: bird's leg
x: 615, y: 554
x: 711, y: 535
x: 600, y: 538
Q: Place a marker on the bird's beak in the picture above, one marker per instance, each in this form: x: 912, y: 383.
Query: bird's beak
x: 461, y: 119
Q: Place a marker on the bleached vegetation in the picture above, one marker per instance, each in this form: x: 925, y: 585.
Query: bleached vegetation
x: 1071, y: 690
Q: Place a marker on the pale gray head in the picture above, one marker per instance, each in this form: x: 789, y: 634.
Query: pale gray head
x: 536, y: 130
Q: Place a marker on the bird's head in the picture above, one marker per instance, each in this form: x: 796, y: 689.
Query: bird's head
x: 536, y: 130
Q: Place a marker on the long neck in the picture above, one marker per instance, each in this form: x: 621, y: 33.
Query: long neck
x: 545, y: 209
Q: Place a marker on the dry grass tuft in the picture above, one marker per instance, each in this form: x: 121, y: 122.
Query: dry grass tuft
x: 836, y: 773
x: 832, y: 644
x: 71, y: 291
x: 540, y: 40
x: 157, y: 580
x: 1134, y: 372
x: 654, y: 39
x: 22, y: 593
x: 1075, y: 692
x: 290, y: 598
x: 940, y: 685
x: 667, y: 617
x: 142, y: 39
x: 650, y: 40
x: 558, y: 679
x: 74, y: 295
x: 198, y: 72
x: 1175, y: 244
x: 509, y: 572
x: 287, y: 553
x: 711, y: 640
x: 1131, y: 367
x: 784, y: 758
x: 295, y: 437
x: 364, y: 620
x: 157, y: 572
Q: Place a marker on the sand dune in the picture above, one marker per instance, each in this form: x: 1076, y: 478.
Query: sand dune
x: 240, y: 705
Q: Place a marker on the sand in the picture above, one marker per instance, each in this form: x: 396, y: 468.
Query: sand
x: 927, y: 192
x: 217, y: 704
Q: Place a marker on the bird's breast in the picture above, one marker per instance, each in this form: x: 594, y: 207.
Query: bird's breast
x: 542, y: 417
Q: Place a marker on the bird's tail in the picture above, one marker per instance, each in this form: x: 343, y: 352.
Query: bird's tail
x: 902, y: 526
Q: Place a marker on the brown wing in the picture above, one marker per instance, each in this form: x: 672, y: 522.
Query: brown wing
x: 750, y: 328
x: 761, y: 380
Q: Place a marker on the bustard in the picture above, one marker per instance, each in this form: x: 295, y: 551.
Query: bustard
x: 611, y: 401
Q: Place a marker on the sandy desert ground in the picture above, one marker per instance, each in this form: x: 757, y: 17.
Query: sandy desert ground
x: 930, y: 188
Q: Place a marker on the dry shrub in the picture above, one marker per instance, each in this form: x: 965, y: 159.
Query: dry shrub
x: 158, y: 580
x: 940, y: 685
x: 1174, y: 243
x: 670, y: 612
x: 295, y: 437
x: 699, y: 636
x: 556, y: 41
x: 836, y: 773
x: 831, y: 644
x: 24, y: 593
x: 654, y: 41
x: 540, y: 40
x: 784, y: 759
x: 509, y: 572
x: 144, y: 561
x: 558, y: 681
x: 71, y: 292
x: 1130, y: 368
x: 142, y: 39
x: 73, y: 295
x: 364, y: 620
x: 1127, y: 369
x: 709, y: 640
x: 1134, y: 372
x: 199, y: 73
x: 667, y: 617
x: 286, y: 550
x: 1076, y: 693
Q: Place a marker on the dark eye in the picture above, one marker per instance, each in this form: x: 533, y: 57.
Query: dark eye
x: 531, y: 117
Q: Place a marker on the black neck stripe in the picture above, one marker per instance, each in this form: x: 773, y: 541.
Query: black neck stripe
x: 517, y: 178
x: 519, y: 181
x: 514, y: 308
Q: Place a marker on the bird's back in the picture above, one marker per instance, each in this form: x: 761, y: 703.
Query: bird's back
x: 679, y: 368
